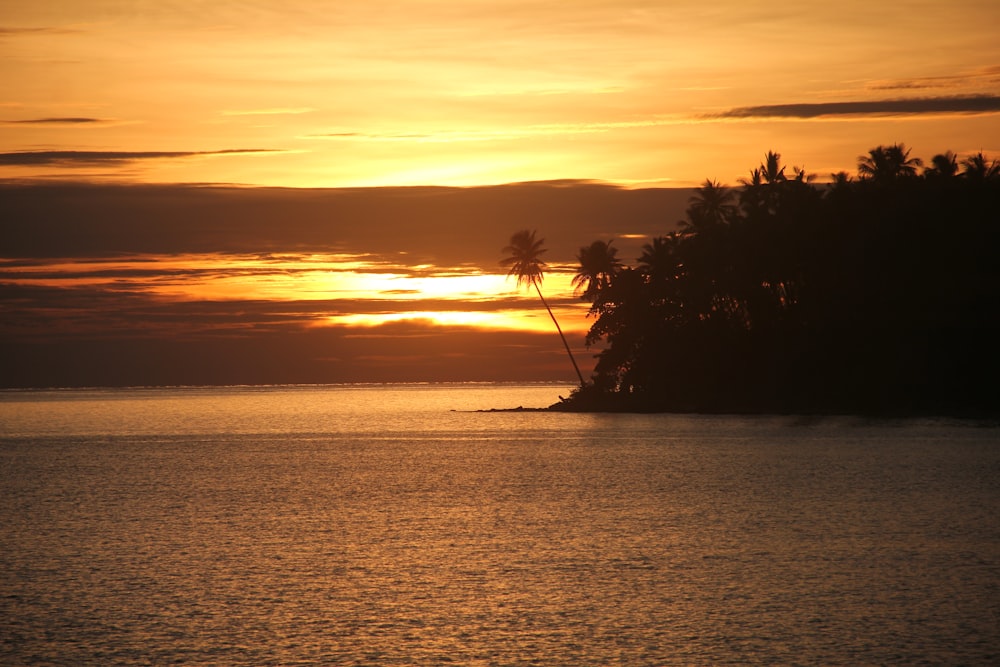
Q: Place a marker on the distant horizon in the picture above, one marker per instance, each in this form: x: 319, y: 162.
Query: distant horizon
x: 303, y: 385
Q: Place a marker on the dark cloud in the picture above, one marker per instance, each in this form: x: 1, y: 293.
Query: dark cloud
x: 71, y: 120
x: 89, y: 337
x: 86, y: 158
x: 926, y: 105
x: 126, y: 309
x: 14, y: 32
x: 442, y: 227
x: 405, y: 352
x: 972, y: 79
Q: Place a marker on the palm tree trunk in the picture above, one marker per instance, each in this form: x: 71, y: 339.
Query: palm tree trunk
x: 561, y: 335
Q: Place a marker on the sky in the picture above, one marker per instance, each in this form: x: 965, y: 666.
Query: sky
x: 314, y: 93
x: 124, y: 285
x: 219, y: 192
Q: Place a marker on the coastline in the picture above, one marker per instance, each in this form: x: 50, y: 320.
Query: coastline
x: 982, y: 417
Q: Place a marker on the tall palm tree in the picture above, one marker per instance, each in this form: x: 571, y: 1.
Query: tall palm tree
x: 598, y: 265
x: 761, y: 192
x: 771, y: 169
x: 525, y: 263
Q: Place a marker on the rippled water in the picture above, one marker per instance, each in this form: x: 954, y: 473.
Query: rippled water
x: 388, y: 525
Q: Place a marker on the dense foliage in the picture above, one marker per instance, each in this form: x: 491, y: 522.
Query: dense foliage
x: 877, y: 294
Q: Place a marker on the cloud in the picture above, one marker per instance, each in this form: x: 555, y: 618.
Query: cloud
x: 17, y: 32
x: 988, y: 74
x: 71, y: 158
x: 283, y: 354
x: 974, y: 104
x: 444, y: 227
x: 58, y: 121
x: 95, y: 335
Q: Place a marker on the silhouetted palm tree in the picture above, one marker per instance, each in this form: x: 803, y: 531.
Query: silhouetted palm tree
x: 771, y: 169
x: 761, y: 193
x: 598, y: 265
x: 801, y: 176
x: 524, y: 262
x: 978, y: 168
x: 709, y: 207
x: 807, y: 299
x: 943, y: 165
x: 841, y: 179
x: 755, y: 179
x: 887, y: 163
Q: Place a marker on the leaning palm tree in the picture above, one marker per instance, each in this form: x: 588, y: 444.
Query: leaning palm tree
x: 524, y: 263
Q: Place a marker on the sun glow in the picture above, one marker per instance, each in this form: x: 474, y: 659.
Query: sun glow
x: 348, y: 290
x: 488, y: 320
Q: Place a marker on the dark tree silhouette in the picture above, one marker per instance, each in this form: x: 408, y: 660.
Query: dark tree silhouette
x: 762, y: 190
x: 660, y: 260
x: 978, y: 167
x: 598, y: 264
x: 711, y: 206
x: 875, y: 295
x: 524, y: 263
x: 884, y: 164
x: 943, y: 165
x: 771, y: 169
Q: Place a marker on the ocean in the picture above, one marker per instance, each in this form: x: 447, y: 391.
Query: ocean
x: 398, y: 525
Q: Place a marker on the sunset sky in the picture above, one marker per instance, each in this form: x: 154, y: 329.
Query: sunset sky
x: 315, y: 94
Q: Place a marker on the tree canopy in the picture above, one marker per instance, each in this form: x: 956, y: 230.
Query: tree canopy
x: 877, y: 294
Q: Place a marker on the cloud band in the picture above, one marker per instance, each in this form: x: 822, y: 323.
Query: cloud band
x: 929, y: 105
x: 48, y: 158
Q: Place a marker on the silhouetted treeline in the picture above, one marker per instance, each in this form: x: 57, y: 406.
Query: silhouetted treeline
x: 876, y: 294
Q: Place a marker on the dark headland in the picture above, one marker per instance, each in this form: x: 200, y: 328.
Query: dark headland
x: 876, y: 294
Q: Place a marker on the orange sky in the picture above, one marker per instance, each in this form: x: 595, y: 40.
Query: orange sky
x: 308, y: 93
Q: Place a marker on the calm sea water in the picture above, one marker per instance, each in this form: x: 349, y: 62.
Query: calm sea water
x: 393, y: 526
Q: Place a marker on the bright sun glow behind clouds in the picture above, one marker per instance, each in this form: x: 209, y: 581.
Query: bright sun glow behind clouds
x: 452, y: 297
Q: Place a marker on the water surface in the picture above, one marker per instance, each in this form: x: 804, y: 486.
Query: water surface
x: 392, y: 525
